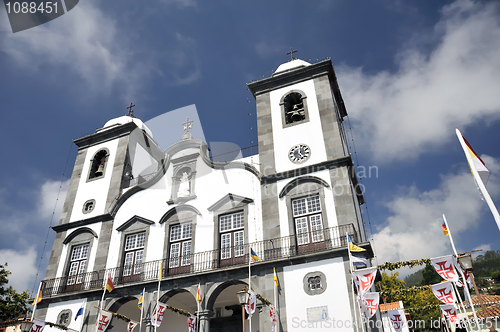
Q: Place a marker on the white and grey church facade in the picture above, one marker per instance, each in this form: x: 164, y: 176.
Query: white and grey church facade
x: 293, y: 203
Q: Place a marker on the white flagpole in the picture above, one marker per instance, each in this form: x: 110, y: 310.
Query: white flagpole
x: 36, y: 300
x: 461, y: 306
x: 158, y: 296
x: 275, y: 297
x: 466, y: 288
x: 198, y: 306
x: 479, y: 182
x: 351, y: 267
x: 142, y: 308
x: 249, y: 286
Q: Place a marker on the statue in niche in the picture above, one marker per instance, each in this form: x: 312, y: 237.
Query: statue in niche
x: 184, y: 190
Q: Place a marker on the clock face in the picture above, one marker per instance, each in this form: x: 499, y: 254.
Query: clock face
x: 299, y: 153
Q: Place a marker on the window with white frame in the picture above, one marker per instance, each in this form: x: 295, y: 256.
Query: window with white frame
x: 78, y: 263
x: 180, y: 244
x: 231, y: 228
x: 134, y: 254
x: 308, y: 221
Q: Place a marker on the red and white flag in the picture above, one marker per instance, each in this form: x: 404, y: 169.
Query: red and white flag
x: 450, y: 312
x: 444, y: 292
x: 37, y: 326
x: 192, y: 323
x: 158, y: 313
x: 252, y: 302
x: 131, y: 325
x: 103, y: 320
x: 363, y: 279
x: 445, y: 267
x: 369, y: 303
x: 274, y: 320
x: 397, y: 318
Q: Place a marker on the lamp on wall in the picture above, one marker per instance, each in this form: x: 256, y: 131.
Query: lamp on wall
x: 243, y: 299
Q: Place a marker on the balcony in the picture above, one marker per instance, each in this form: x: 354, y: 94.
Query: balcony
x: 268, y: 250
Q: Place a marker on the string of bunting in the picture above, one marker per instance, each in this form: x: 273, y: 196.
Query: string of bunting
x: 412, y: 311
x: 179, y: 311
x: 394, y: 266
x: 263, y: 300
x: 59, y: 326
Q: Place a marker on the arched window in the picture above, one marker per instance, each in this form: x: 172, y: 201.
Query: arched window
x: 98, y: 167
x: 294, y: 108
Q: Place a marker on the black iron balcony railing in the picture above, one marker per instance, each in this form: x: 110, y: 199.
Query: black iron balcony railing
x: 268, y: 250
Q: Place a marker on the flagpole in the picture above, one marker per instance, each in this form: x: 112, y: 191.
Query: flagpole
x: 276, y: 297
x: 479, y: 182
x: 142, y: 308
x: 351, y: 268
x: 466, y: 288
x: 249, y: 286
x: 461, y: 306
x: 158, y: 294
x: 36, y: 301
x: 198, y: 297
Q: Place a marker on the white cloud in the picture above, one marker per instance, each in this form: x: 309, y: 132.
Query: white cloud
x: 52, y: 195
x: 22, y: 264
x: 413, y: 230
x: 180, y: 3
x: 421, y: 103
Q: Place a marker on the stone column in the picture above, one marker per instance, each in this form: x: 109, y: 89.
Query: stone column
x: 204, y: 316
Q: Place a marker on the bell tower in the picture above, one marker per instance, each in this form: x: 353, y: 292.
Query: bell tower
x: 301, y: 138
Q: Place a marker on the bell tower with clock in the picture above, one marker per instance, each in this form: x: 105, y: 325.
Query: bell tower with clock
x: 303, y: 149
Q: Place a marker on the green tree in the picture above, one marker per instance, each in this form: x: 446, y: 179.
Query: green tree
x: 12, y: 304
x: 430, y: 276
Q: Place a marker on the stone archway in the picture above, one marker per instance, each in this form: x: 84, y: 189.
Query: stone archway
x: 126, y: 306
x: 224, y: 304
x: 181, y: 299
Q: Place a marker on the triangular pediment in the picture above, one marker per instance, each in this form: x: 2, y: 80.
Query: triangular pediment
x: 230, y: 201
x: 135, y: 219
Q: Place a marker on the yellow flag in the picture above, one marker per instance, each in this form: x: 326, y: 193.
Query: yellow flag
x: 159, y: 273
x: 276, y: 283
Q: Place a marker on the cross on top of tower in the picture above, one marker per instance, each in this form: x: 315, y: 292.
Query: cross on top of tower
x: 291, y: 53
x: 187, y: 125
x: 130, y: 110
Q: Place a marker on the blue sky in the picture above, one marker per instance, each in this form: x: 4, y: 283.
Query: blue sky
x: 410, y: 73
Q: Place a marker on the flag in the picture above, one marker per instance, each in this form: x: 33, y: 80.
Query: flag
x: 38, y: 297
x: 79, y: 312
x: 450, y: 312
x: 397, y: 318
x: 109, y: 284
x: 352, y: 246
x: 159, y: 273
x: 131, y: 325
x: 254, y: 255
x: 251, y: 303
x: 359, y: 260
x: 192, y: 323
x: 363, y: 279
x: 198, y: 294
x: 37, y: 326
x: 103, y: 320
x: 477, y: 163
x: 445, y: 229
x: 157, y: 316
x: 369, y: 303
x: 445, y: 268
x: 276, y: 283
x: 141, y: 299
x: 444, y: 292
x: 274, y: 320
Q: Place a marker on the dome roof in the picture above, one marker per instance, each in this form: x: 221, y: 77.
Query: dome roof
x: 287, y: 66
x: 126, y: 119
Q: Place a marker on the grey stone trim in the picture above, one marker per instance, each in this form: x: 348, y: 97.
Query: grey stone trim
x: 298, y: 181
x: 64, y: 317
x: 55, y: 255
x: 84, y: 222
x: 84, y: 211
x: 73, y: 187
x: 234, y: 199
x: 265, y: 134
x: 176, y: 210
x: 78, y: 232
x: 305, y: 282
x: 227, y: 209
x: 80, y: 239
x: 133, y: 220
x: 92, y: 164
x: 299, y: 75
x: 101, y: 256
x: 270, y: 212
x: 135, y: 228
x: 106, y: 135
x: 282, y: 108
x: 184, y: 159
x: 307, y: 170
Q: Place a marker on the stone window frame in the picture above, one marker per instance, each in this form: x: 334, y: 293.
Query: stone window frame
x: 78, y: 240
x: 282, y: 109
x: 242, y: 207
x: 135, y: 228
x: 188, y: 214
x: 315, y: 189
x: 317, y: 291
x: 84, y: 210
x: 92, y: 165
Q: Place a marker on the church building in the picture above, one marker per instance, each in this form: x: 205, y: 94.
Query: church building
x: 190, y: 221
